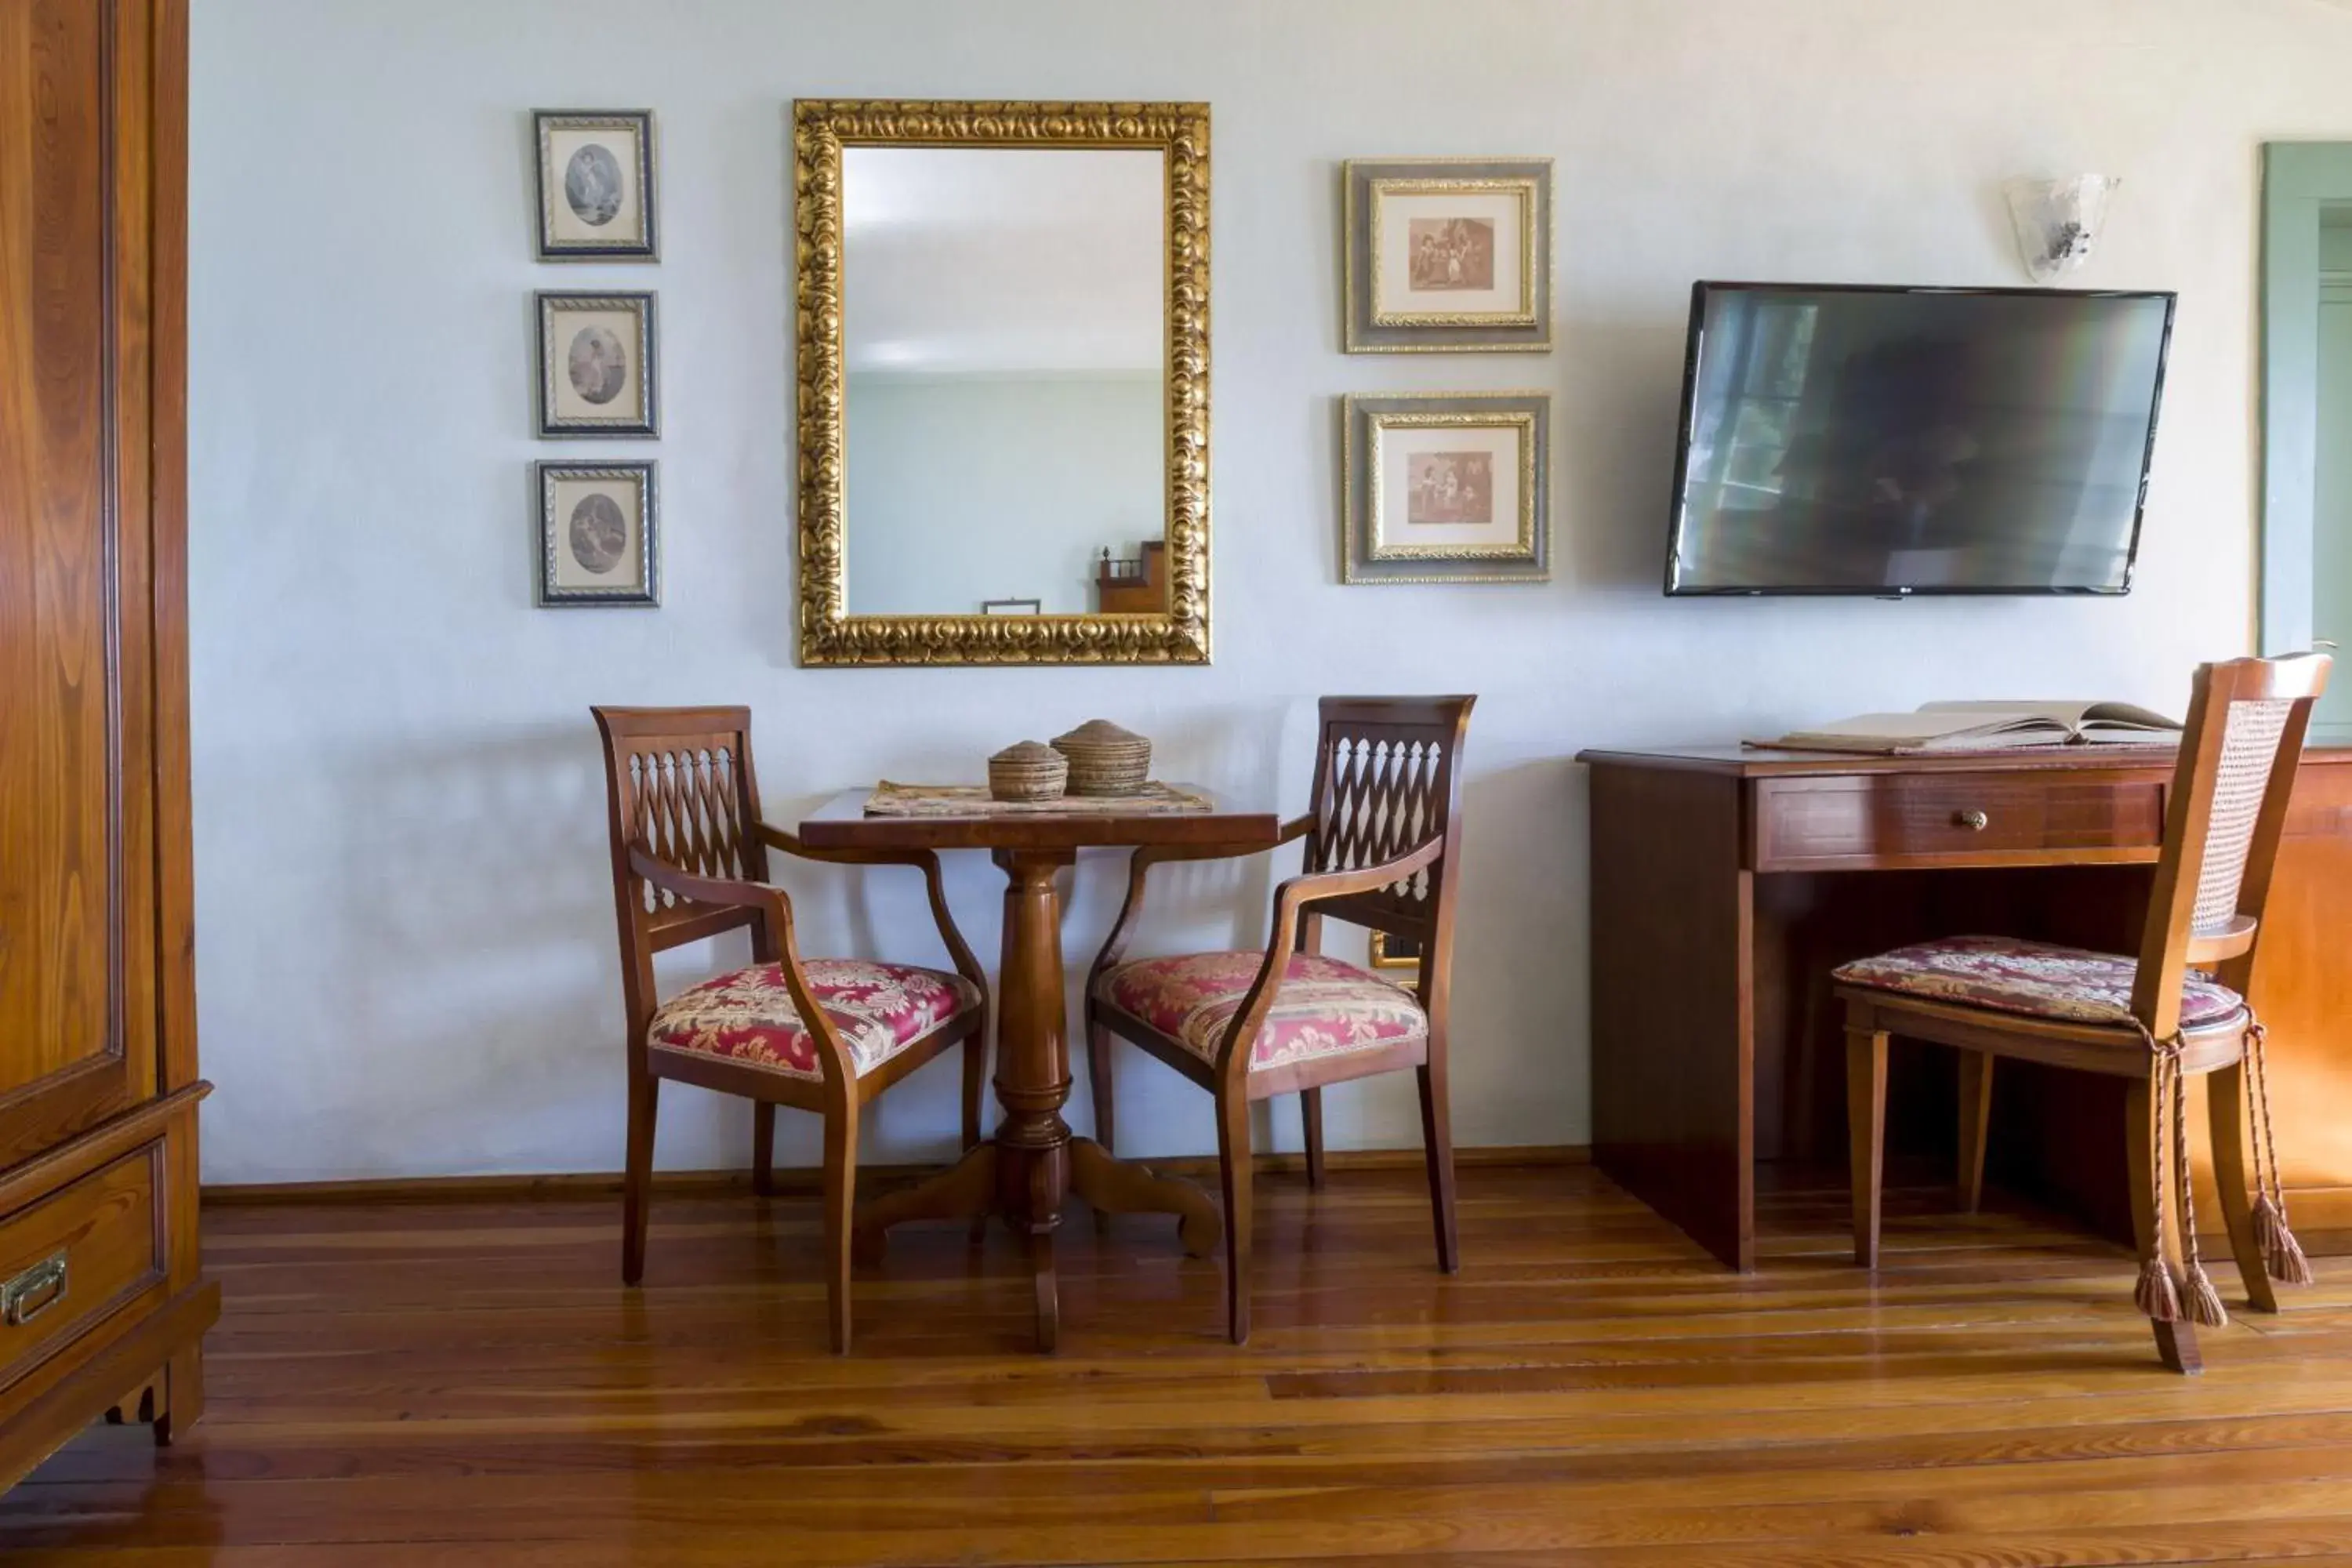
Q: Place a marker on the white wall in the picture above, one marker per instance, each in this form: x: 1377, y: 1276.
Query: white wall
x: 406, y: 941
x: 999, y: 487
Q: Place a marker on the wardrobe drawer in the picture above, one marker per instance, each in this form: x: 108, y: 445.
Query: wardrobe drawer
x: 74, y: 1258
x: 1953, y: 818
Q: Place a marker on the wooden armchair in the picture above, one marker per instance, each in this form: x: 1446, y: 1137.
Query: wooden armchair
x: 1382, y: 837
x: 2178, y: 1009
x: 690, y: 861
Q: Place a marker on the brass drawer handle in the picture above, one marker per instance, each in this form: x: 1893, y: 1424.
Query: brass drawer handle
x: 33, y: 1292
x: 1974, y: 821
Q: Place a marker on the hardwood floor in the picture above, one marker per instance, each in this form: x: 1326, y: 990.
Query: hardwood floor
x: 467, y: 1382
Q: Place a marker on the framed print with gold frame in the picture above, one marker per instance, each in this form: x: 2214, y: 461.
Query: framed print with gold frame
x: 1447, y: 255
x: 1446, y: 488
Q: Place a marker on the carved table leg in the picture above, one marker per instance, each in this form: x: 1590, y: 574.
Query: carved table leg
x: 1028, y: 1170
x: 1032, y: 1067
x: 1122, y: 1186
x: 966, y: 1188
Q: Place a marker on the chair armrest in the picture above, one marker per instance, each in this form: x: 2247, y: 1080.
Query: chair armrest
x: 775, y: 912
x: 1140, y: 868
x: 1294, y: 895
x: 724, y: 892
x: 1315, y: 886
x: 924, y: 860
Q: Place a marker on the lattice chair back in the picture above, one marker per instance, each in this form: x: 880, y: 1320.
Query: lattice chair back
x: 2238, y: 753
x: 1388, y: 779
x: 680, y: 780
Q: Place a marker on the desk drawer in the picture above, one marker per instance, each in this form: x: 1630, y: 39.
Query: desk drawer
x: 1866, y: 820
x: 76, y: 1257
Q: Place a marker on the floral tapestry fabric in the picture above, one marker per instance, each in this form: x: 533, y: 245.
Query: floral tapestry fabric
x: 878, y: 1009
x: 2068, y: 983
x: 1323, y: 1007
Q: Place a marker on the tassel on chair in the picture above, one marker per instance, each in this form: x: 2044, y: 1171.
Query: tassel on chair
x: 2282, y: 1254
x: 2283, y: 1257
x: 2204, y: 1301
x: 2268, y: 1222
x: 2157, y: 1295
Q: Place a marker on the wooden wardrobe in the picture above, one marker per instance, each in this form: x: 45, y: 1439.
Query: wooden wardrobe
x: 101, y: 1305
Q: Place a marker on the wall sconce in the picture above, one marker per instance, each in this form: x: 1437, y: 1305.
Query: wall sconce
x: 2058, y: 221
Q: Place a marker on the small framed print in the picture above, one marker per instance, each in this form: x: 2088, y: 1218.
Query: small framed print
x: 1013, y: 607
x: 595, y: 184
x: 1447, y: 255
x: 1447, y: 488
x: 597, y: 372
x: 599, y: 534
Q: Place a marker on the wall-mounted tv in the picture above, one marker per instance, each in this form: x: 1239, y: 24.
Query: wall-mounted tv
x: 1899, y: 441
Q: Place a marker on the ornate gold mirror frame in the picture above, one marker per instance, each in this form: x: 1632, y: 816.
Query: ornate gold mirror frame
x: 829, y: 634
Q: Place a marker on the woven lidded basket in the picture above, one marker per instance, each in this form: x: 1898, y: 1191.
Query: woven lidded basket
x: 1029, y: 770
x: 1105, y: 759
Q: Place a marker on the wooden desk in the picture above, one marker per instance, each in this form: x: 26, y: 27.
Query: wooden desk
x: 1031, y: 1163
x: 1726, y: 883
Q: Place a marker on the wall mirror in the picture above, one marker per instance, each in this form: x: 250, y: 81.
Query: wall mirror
x: 1003, y: 366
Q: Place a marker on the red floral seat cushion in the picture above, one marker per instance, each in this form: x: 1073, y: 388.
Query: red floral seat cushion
x: 878, y: 1009
x: 1323, y: 1008
x: 2070, y: 984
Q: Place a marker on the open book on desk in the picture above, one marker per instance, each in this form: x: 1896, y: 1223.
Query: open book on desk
x: 1993, y: 726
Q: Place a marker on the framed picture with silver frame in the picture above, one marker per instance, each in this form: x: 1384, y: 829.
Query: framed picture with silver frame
x: 596, y: 195
x: 599, y: 534
x: 1446, y: 255
x: 1446, y: 487
x: 596, y: 369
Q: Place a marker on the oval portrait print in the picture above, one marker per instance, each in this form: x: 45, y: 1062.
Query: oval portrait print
x: 598, y: 364
x: 599, y: 533
x: 592, y: 184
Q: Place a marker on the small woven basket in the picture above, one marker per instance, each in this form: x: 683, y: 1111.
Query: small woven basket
x: 1105, y: 759
x: 1027, y: 770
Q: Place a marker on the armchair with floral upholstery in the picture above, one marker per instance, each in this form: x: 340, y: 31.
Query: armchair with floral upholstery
x: 1381, y: 851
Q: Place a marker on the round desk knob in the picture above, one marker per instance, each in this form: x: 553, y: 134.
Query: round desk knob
x: 1974, y: 821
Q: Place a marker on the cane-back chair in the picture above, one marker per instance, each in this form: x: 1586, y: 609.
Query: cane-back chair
x: 1382, y: 837
x: 690, y: 861
x: 2179, y: 1009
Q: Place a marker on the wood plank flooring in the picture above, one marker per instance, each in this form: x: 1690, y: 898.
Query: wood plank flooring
x: 402, y: 1385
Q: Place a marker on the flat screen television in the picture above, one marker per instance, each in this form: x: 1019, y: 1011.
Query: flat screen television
x: 1900, y: 441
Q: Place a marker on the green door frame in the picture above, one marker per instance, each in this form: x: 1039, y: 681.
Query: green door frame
x: 2299, y: 178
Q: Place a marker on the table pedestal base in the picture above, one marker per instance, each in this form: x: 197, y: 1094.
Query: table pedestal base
x: 981, y: 1184
x: 1033, y: 1163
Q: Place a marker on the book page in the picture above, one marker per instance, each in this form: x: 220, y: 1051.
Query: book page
x: 1919, y: 726
x: 2073, y: 715
x: 1902, y: 732
x: 2070, y: 714
x: 2125, y: 715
